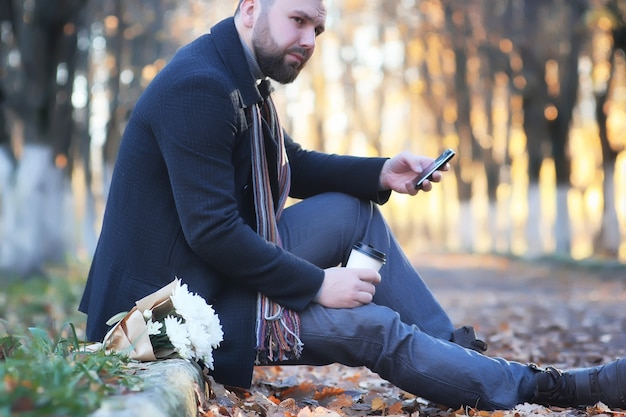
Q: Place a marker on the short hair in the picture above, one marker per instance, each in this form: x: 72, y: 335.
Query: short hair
x: 263, y: 2
x: 238, y: 6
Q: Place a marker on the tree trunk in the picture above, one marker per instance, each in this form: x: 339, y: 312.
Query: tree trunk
x: 608, y: 240
x: 33, y: 195
x: 35, y: 190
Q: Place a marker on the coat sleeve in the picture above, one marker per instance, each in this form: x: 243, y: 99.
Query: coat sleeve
x: 316, y: 172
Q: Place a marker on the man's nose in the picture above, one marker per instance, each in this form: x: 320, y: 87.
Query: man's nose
x: 307, y: 39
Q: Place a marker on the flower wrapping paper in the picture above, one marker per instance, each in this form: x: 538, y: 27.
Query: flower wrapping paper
x: 130, y: 335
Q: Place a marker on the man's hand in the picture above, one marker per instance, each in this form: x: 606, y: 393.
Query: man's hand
x: 347, y: 287
x: 400, y: 173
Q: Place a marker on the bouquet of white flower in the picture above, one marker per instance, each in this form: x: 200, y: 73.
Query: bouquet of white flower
x: 171, y: 322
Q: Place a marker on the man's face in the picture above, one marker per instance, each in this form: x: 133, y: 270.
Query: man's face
x: 283, y: 36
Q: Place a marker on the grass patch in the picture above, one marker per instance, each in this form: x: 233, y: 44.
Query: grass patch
x: 44, y: 301
x: 44, y: 370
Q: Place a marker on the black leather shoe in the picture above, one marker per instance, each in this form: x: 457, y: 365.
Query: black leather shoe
x: 466, y: 337
x: 582, y: 387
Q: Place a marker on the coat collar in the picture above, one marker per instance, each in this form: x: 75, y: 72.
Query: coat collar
x: 228, y: 44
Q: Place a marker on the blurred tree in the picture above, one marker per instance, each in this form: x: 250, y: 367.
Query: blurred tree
x: 536, y: 47
x: 138, y: 46
x: 608, y: 24
x: 37, y: 86
x: 498, y: 81
x: 549, y: 44
x: 7, y: 19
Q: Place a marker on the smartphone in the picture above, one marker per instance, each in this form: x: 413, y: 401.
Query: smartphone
x: 434, y: 166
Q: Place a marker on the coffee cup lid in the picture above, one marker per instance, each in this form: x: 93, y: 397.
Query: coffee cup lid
x: 369, y: 250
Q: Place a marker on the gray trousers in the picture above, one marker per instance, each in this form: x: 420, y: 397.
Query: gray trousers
x: 403, y: 335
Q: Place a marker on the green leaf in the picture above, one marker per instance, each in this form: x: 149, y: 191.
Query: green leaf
x: 116, y: 318
x: 41, y: 335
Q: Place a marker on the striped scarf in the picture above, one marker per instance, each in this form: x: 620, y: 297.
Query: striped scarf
x: 278, y: 329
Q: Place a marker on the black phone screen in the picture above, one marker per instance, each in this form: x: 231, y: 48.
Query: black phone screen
x: 434, y: 166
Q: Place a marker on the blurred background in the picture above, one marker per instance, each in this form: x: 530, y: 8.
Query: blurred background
x: 531, y: 94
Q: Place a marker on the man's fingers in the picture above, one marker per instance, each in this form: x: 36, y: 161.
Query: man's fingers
x: 363, y: 297
x: 348, y: 287
x: 369, y: 275
x: 365, y: 294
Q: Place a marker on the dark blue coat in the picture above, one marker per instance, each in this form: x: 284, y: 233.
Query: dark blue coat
x: 181, y: 204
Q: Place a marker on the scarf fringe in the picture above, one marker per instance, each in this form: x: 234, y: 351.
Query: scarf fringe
x: 278, y: 331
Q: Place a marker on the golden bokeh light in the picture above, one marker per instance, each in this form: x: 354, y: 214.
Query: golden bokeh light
x: 550, y: 112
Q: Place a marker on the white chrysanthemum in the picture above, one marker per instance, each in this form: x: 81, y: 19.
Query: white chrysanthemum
x: 208, y: 361
x: 197, y: 335
x: 200, y: 337
x: 178, y: 335
x: 213, y: 330
x: 203, y: 311
x: 154, y: 327
x: 181, y: 297
x: 203, y: 329
x: 189, y: 305
x: 147, y: 314
x: 186, y: 352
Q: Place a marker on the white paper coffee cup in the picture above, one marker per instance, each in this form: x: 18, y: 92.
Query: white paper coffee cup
x: 366, y: 257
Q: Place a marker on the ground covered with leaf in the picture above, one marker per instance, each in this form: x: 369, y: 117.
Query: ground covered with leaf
x: 546, y: 312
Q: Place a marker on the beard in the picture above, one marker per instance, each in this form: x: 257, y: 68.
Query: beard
x: 269, y: 56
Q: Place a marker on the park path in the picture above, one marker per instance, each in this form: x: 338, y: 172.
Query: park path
x: 542, y: 311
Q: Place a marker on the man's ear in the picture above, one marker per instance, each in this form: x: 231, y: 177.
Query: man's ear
x: 246, y: 10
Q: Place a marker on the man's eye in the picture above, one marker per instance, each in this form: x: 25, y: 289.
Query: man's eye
x: 298, y: 20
